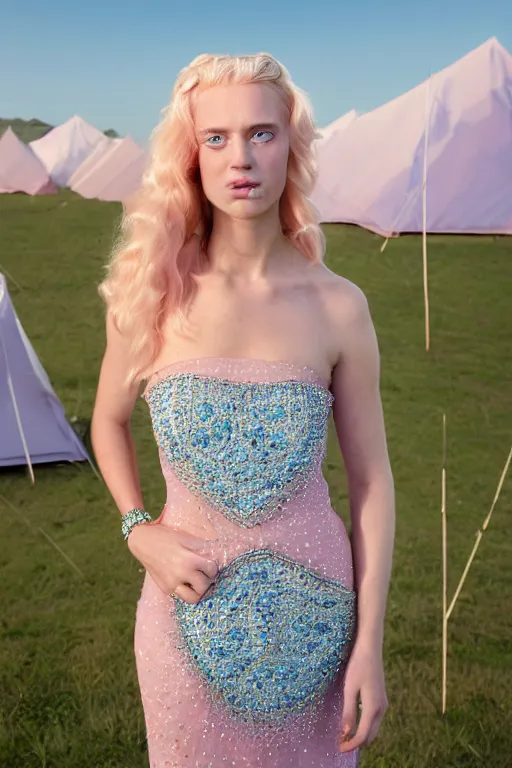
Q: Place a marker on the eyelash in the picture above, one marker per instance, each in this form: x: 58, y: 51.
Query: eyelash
x: 218, y: 145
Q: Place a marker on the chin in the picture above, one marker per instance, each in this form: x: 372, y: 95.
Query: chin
x: 248, y: 209
x: 238, y: 212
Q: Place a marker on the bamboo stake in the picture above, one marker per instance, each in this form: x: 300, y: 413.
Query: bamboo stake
x: 445, y: 568
x: 447, y: 612
x: 479, y: 536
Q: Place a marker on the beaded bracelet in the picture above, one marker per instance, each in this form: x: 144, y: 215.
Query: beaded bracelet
x: 132, y: 518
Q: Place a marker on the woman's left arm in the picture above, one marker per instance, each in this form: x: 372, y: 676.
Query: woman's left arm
x: 359, y: 422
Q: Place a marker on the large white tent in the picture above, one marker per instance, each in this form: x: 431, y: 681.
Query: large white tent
x: 63, y: 149
x: 83, y: 170
x: 338, y: 125
x: 451, y: 135
x: 34, y: 428
x: 20, y: 169
x: 115, y: 176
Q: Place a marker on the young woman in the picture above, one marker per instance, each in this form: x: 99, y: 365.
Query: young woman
x: 251, y: 647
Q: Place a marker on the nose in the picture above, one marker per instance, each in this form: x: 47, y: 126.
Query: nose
x: 241, y: 156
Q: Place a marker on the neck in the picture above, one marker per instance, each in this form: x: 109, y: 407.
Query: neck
x: 245, y: 248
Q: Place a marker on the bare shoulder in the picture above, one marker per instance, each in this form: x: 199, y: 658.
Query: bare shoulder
x: 345, y: 304
x: 345, y: 297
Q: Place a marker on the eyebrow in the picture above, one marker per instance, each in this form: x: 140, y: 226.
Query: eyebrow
x: 265, y: 126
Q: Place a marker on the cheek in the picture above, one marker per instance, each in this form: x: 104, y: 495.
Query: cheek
x: 276, y: 165
x: 209, y: 170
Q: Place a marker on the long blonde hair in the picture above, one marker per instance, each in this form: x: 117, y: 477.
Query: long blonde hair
x: 152, y: 268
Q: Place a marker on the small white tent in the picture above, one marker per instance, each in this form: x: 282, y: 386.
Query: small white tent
x: 115, y: 176
x: 33, y: 424
x: 452, y: 133
x: 65, y: 147
x: 20, y: 169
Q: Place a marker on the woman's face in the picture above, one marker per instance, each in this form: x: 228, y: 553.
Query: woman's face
x: 243, y: 137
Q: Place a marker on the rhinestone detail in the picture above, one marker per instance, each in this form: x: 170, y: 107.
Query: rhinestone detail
x: 132, y: 518
x: 269, y: 635
x: 245, y: 447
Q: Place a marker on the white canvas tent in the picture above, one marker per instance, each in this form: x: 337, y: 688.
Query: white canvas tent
x: 115, y: 176
x: 83, y: 170
x: 65, y: 147
x: 338, y: 125
x: 33, y: 424
x: 20, y: 169
x: 452, y: 133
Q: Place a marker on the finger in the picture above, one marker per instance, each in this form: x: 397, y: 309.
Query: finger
x: 206, y: 565
x: 363, y: 729
x: 376, y: 726
x: 200, y: 583
x: 209, y: 568
x: 349, y: 713
x: 374, y: 730
x: 185, y: 593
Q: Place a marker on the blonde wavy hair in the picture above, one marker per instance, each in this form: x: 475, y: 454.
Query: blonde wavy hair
x: 152, y: 269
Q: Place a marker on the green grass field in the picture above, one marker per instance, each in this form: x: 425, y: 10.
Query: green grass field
x: 69, y: 696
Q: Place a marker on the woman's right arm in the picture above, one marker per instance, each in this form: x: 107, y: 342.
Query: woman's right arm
x: 169, y: 555
x: 110, y: 428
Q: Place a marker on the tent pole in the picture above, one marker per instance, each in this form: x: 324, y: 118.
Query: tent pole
x: 17, y: 413
x: 424, y: 206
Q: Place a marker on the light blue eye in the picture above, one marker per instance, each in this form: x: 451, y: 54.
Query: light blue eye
x: 263, y: 136
x: 211, y: 141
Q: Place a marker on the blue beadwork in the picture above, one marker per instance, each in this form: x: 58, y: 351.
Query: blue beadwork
x: 269, y: 635
x: 245, y: 447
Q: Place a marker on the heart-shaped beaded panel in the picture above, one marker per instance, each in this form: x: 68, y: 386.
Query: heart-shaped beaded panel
x: 269, y: 636
x: 245, y: 447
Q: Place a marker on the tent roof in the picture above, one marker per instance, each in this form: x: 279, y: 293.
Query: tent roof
x: 116, y: 175
x: 372, y: 172
x: 20, y: 169
x: 85, y: 168
x: 64, y: 148
x: 338, y: 125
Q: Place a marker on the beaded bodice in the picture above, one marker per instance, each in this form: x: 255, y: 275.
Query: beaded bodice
x: 244, y: 435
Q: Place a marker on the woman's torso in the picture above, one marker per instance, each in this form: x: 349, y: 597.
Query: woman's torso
x: 283, y: 335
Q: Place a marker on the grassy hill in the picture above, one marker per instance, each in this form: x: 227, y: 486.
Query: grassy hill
x: 69, y: 693
x: 26, y: 130
x: 30, y: 130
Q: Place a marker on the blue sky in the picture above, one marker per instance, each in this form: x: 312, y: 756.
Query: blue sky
x: 114, y: 62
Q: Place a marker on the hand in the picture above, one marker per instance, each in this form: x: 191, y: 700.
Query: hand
x: 364, y: 678
x: 171, y: 558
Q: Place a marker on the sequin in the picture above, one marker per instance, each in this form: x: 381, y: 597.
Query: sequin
x: 244, y: 447
x: 269, y: 636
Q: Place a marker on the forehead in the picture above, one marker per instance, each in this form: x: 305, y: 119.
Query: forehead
x: 236, y: 106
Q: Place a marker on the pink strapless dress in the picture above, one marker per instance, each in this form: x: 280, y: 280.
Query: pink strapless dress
x: 241, y: 444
